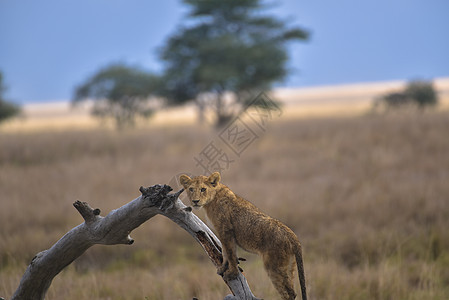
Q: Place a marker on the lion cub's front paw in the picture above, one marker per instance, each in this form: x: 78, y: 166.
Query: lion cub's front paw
x: 230, y: 274
x: 226, y: 272
x: 224, y: 266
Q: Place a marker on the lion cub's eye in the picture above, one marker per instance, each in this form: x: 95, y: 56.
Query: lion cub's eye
x: 191, y: 189
x: 203, y: 190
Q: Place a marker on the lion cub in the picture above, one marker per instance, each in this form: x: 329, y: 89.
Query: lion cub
x: 237, y: 222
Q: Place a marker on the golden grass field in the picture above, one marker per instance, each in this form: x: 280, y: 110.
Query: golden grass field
x: 367, y: 194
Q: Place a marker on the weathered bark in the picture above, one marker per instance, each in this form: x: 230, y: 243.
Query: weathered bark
x: 115, y: 229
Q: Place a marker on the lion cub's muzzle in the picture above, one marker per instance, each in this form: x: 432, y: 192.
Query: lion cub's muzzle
x: 195, y: 202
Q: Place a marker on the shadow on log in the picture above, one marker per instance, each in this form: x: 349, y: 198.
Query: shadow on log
x: 114, y: 229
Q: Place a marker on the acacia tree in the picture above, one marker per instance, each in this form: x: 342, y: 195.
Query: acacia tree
x: 120, y: 92
x: 225, y: 46
x: 7, y: 109
x: 422, y: 92
x: 417, y: 93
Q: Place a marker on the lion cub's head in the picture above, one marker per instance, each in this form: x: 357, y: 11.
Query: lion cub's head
x: 200, y: 189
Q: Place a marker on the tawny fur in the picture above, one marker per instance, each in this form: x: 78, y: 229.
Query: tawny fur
x: 238, y: 222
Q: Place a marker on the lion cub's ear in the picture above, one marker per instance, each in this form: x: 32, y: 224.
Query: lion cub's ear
x: 185, y: 180
x: 214, y: 179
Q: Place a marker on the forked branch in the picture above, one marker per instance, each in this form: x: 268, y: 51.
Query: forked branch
x: 115, y: 229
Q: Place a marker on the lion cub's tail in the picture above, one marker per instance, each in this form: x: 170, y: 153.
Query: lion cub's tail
x: 301, y: 275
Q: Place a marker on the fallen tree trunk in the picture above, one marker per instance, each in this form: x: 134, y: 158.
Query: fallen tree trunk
x: 115, y: 229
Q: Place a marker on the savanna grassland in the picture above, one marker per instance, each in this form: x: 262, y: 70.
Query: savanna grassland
x: 368, y: 196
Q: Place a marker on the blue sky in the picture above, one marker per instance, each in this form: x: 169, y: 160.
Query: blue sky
x: 47, y: 47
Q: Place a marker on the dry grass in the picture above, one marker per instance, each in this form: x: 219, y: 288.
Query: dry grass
x: 368, y: 197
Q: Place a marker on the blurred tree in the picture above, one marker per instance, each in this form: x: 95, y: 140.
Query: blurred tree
x: 422, y: 92
x: 7, y: 109
x: 120, y: 92
x: 419, y: 93
x: 392, y: 100
x: 225, y: 46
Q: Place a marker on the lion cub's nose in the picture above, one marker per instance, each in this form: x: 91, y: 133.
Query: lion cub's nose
x: 195, y: 201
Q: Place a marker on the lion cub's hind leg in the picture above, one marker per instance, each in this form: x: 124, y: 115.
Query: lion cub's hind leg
x: 281, y: 271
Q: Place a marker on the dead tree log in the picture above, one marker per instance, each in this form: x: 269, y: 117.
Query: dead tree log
x: 115, y: 229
